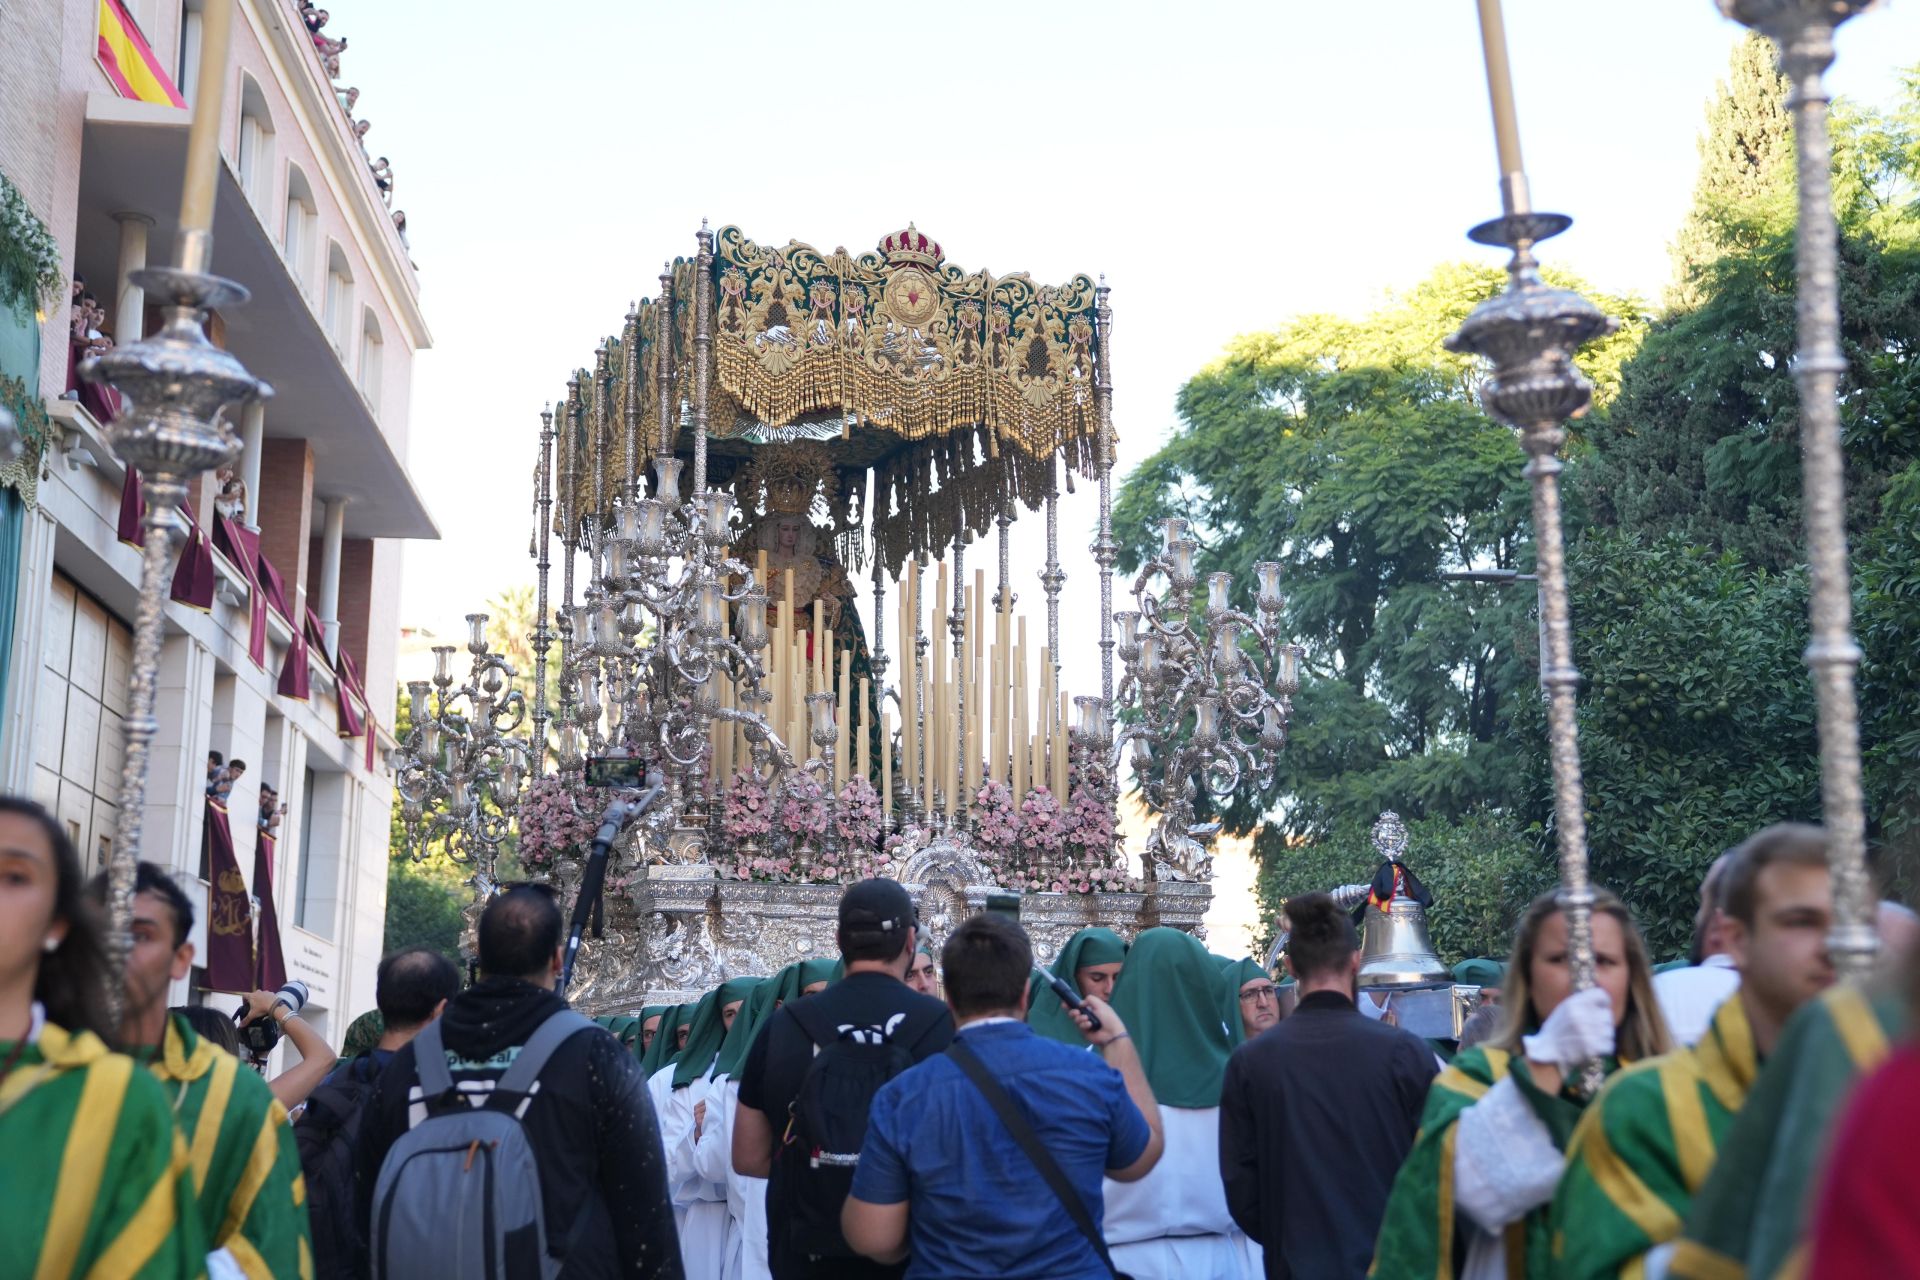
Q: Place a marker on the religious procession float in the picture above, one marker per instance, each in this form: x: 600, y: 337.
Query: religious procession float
x: 771, y: 426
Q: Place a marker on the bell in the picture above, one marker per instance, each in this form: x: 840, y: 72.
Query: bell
x: 1396, y: 951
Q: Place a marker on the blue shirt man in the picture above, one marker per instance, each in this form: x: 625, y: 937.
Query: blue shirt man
x: 940, y: 1178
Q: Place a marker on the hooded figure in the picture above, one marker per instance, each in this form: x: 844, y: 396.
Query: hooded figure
x: 1235, y: 974
x: 647, y: 1014
x: 1173, y: 997
x: 1087, y: 949
x: 690, y: 1108
x: 820, y: 971
x: 665, y: 1041
x: 746, y: 1251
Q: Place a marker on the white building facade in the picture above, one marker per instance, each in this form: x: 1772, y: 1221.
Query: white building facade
x: 333, y: 326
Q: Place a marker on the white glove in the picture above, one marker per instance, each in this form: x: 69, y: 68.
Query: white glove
x: 1580, y: 1030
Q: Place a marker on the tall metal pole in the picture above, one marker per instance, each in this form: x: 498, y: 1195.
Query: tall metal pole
x: 569, y: 536
x: 702, y: 352
x: 663, y: 360
x: 176, y: 383
x: 542, y: 632
x: 1803, y: 31
x: 630, y: 400
x: 1529, y: 334
x: 1103, y: 544
x: 1052, y: 578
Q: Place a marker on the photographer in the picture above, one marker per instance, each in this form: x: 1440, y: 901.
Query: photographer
x: 282, y: 1009
x: 1017, y: 1105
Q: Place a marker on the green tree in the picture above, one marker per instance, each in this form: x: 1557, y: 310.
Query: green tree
x: 424, y: 903
x: 1354, y: 453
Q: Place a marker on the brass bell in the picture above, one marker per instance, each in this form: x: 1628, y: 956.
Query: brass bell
x: 1396, y: 951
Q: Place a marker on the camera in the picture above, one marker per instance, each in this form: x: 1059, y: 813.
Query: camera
x: 626, y: 772
x: 259, y: 1036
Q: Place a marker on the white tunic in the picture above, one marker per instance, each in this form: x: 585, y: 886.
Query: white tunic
x: 1690, y: 997
x: 660, y: 1091
x: 1173, y: 1224
x: 1504, y: 1167
x: 699, y: 1204
x: 746, y: 1197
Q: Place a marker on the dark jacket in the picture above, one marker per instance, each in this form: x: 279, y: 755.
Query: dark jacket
x: 590, y: 1124
x: 1316, y: 1116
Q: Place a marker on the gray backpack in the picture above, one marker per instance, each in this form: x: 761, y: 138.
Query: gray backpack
x: 459, y: 1194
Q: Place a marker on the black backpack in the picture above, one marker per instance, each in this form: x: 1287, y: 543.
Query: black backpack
x: 827, y: 1125
x: 327, y: 1133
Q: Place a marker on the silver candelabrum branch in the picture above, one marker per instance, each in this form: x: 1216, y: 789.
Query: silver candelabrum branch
x: 460, y: 768
x: 659, y: 628
x: 1803, y: 31
x: 1210, y: 700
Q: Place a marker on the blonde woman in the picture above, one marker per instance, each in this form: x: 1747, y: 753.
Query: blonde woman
x: 1471, y: 1200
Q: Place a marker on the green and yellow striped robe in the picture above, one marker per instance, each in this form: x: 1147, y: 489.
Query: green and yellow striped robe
x: 1644, y: 1149
x: 245, y: 1164
x: 1752, y: 1216
x: 1421, y: 1237
x: 93, y: 1174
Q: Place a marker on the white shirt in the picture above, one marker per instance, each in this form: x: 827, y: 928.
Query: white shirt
x: 1689, y: 997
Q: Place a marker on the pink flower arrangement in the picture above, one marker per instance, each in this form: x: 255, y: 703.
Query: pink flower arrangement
x: 1040, y: 822
x: 998, y: 826
x: 803, y: 807
x: 550, y: 827
x: 1089, y: 826
x: 746, y: 812
x: 776, y: 869
x: 861, y: 816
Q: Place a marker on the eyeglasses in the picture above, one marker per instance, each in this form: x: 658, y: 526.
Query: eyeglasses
x: 1259, y: 994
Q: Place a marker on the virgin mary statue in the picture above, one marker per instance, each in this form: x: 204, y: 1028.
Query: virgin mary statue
x: 787, y: 482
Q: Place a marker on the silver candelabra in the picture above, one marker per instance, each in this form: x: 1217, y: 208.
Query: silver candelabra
x: 1211, y: 699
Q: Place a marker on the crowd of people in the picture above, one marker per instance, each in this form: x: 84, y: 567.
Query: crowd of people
x: 1142, y: 1108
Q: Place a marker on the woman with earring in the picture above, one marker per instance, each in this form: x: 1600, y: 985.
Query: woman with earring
x: 1471, y: 1200
x: 94, y: 1172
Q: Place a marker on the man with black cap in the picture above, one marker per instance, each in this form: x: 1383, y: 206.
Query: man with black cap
x: 811, y: 1074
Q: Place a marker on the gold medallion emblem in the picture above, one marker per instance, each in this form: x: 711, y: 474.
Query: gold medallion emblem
x: 911, y: 297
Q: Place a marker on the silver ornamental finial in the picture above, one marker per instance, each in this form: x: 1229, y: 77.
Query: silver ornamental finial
x: 1390, y: 837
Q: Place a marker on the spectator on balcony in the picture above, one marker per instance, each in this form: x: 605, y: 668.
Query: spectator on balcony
x: 230, y: 499
x: 383, y: 177
x: 86, y: 340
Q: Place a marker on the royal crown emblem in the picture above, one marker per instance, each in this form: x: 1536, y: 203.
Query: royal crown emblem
x: 912, y: 247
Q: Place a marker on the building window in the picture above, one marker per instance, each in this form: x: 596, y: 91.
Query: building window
x: 256, y: 144
x: 338, y: 313
x: 368, y: 373
x: 188, y: 64
x: 300, y: 227
x: 306, y: 850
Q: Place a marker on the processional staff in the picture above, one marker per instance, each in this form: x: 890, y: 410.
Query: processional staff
x: 1529, y: 333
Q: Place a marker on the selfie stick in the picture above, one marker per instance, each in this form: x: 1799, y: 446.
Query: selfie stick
x: 624, y: 809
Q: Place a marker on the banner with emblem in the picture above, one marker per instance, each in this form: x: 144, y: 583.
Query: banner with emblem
x: 229, y: 957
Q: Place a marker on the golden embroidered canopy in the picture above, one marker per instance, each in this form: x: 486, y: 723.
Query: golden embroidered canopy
x: 941, y: 396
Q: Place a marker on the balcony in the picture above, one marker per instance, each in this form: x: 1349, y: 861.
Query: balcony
x: 132, y: 159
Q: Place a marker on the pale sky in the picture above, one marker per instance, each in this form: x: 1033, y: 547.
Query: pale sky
x: 1226, y: 165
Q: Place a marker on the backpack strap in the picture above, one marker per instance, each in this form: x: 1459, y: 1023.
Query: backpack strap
x: 813, y: 1024
x: 430, y: 1062
x: 1016, y: 1124
x: 559, y: 1027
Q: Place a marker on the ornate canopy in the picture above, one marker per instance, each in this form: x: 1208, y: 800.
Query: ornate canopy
x: 942, y: 396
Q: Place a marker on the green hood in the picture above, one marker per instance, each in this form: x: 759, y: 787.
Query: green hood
x: 662, y: 1051
x: 1480, y: 972
x: 1045, y: 1013
x: 821, y: 970
x: 767, y: 996
x: 1235, y: 974
x: 1169, y: 997
x: 709, y: 1030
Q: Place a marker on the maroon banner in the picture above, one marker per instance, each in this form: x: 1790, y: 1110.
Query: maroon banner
x: 193, y: 577
x: 132, y: 507
x: 295, y: 681
x: 270, y: 965
x: 243, y: 548
x: 229, y: 915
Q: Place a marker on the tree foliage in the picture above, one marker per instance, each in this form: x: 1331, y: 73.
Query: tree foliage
x: 1354, y: 453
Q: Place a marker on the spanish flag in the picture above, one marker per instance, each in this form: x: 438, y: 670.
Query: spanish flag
x: 129, y: 62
